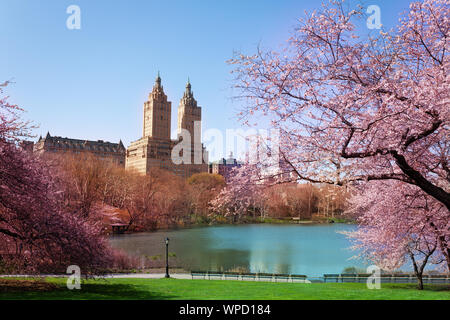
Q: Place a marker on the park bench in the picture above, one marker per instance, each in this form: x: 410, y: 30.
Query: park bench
x: 248, y: 276
x: 362, y: 277
x: 298, y: 278
x: 265, y: 276
x: 402, y: 278
x: 198, y: 274
x: 214, y: 275
x: 234, y: 275
x: 331, y: 278
x: 286, y: 277
x: 438, y: 279
x: 348, y: 277
x: 385, y: 278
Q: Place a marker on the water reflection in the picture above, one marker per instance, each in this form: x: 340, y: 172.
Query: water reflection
x: 296, y: 249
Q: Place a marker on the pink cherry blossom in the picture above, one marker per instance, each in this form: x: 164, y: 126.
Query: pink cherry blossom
x: 37, y: 234
x: 354, y: 108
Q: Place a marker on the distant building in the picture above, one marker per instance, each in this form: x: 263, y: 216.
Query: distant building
x: 154, y: 149
x: 26, y: 145
x: 114, y: 152
x: 224, y: 166
x: 280, y: 171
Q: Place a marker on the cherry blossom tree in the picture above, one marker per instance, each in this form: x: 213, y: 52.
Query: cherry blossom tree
x: 244, y: 192
x: 369, y: 112
x: 399, y: 222
x: 358, y: 108
x: 11, y: 126
x: 37, y: 234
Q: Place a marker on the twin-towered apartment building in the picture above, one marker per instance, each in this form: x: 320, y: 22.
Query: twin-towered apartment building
x: 155, y: 148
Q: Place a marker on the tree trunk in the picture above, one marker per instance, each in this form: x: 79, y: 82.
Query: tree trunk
x: 309, y: 205
x: 418, y: 270
x: 419, y: 281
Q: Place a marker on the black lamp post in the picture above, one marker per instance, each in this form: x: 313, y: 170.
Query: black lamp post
x: 167, y: 258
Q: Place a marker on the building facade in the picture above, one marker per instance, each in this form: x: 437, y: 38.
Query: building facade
x: 154, y: 149
x: 103, y: 150
x: 224, y: 166
x: 27, y: 146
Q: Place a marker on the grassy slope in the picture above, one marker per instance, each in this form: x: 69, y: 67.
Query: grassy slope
x: 209, y: 289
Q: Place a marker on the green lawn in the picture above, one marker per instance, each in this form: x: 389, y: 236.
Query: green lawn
x: 210, y: 289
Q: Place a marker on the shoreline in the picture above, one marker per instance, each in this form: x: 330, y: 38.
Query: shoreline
x: 268, y: 221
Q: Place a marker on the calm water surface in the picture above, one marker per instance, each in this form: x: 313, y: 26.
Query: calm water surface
x: 298, y: 249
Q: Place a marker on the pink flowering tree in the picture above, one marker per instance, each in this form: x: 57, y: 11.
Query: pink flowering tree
x: 358, y: 108
x: 400, y: 223
x: 11, y: 126
x: 37, y: 234
x: 243, y: 194
x: 245, y: 191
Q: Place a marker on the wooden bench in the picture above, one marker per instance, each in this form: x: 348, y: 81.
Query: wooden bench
x: 331, y: 278
x: 198, y: 274
x: 265, y: 276
x: 348, y: 277
x: 248, y: 276
x: 234, y: 275
x: 298, y: 278
x: 215, y: 275
x: 362, y: 277
x: 286, y: 277
x: 385, y: 278
x: 437, y: 279
x: 402, y: 278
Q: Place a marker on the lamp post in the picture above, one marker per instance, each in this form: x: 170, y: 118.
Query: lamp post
x: 167, y: 258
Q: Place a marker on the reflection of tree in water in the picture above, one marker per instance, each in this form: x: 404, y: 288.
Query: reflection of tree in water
x: 271, y: 261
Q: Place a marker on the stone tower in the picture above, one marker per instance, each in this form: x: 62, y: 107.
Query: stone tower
x: 190, y: 116
x: 157, y: 113
x: 188, y: 111
x: 154, y: 149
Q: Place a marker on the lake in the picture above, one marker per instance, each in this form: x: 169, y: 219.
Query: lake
x: 297, y: 249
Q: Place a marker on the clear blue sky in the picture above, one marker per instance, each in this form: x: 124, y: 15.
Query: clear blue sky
x: 92, y: 83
